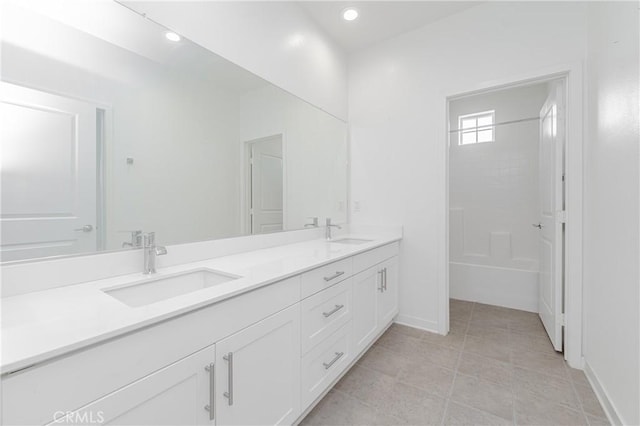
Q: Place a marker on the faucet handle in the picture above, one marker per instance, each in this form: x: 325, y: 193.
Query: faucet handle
x: 136, y: 239
x: 149, y: 239
x: 161, y: 250
x: 314, y: 222
x: 329, y: 224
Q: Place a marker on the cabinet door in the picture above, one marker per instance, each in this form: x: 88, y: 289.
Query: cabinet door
x: 366, y: 286
x: 258, y: 372
x: 178, y: 394
x: 388, y: 297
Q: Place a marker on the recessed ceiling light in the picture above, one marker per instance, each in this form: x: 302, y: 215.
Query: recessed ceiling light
x: 350, y: 14
x: 171, y: 36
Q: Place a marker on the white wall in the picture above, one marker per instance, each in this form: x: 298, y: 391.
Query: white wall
x: 275, y: 40
x: 315, y: 153
x: 611, y: 240
x: 397, y: 92
x: 493, y: 200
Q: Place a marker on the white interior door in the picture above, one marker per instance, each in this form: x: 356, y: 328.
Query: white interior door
x: 550, y: 297
x: 48, y: 171
x: 266, y: 168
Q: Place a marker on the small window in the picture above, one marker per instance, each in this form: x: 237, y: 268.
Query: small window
x: 476, y: 128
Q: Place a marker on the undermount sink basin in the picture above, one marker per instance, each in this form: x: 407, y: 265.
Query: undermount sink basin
x: 151, y: 290
x: 351, y: 241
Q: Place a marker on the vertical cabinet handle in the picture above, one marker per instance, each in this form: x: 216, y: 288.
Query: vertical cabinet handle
x: 385, y: 278
x: 212, y: 391
x: 229, y: 394
x: 381, y: 288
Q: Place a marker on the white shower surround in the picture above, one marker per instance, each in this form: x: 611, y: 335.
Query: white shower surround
x: 493, y: 248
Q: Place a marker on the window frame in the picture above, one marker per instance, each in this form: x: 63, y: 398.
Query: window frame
x: 475, y: 130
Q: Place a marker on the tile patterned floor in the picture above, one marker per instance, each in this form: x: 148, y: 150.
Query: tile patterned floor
x: 496, y: 367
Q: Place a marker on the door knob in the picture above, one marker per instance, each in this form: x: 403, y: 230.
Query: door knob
x: 537, y: 225
x: 85, y: 228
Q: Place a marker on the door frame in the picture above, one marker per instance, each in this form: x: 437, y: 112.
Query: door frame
x: 572, y: 73
x: 245, y: 181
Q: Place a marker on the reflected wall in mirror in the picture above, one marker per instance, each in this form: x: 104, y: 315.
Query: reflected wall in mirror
x: 110, y: 128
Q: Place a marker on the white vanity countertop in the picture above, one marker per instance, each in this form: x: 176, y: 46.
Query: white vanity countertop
x: 41, y: 325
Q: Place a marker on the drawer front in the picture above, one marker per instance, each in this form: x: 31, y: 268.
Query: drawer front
x: 325, y: 276
x: 388, y: 251
x: 372, y: 257
x: 324, y: 313
x: 325, y: 363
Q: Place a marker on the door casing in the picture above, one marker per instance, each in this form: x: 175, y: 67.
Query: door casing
x: 572, y: 74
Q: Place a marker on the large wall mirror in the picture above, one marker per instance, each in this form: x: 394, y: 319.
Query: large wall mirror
x: 112, y: 125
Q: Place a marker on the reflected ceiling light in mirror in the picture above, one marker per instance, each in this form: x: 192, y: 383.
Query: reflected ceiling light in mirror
x: 350, y: 14
x: 296, y: 40
x: 171, y: 36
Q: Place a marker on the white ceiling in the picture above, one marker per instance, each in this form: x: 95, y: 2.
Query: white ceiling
x: 378, y: 20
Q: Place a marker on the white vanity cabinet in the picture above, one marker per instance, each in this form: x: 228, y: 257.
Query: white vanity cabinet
x: 387, y: 295
x: 179, y: 394
x: 258, y: 372
x: 263, y: 357
x: 366, y: 286
x: 375, y: 294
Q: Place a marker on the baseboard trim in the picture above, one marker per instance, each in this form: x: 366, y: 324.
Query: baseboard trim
x: 607, y: 405
x: 422, y: 324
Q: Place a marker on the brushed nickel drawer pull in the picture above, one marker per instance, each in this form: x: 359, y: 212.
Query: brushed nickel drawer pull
x: 212, y: 391
x: 327, y: 365
x: 381, y: 273
x: 333, y: 311
x: 385, y: 278
x: 229, y: 395
x: 336, y: 275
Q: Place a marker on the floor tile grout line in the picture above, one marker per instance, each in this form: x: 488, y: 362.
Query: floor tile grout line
x: 513, y: 412
x: 577, y: 395
x: 455, y: 372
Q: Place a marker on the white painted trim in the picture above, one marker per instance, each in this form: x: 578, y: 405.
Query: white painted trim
x: 605, y: 401
x: 443, y: 232
x: 573, y: 72
x: 419, y: 323
x: 574, y: 172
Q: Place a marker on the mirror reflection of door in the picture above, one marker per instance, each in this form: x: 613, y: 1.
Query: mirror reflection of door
x: 48, y: 169
x: 266, y: 185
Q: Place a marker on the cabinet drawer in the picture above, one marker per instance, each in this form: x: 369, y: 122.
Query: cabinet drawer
x: 325, y: 363
x: 324, y: 313
x: 372, y: 257
x: 325, y: 276
x: 388, y: 251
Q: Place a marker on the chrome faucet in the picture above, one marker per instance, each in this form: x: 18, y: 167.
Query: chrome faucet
x: 314, y: 222
x: 328, y: 229
x: 150, y: 253
x: 136, y: 240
